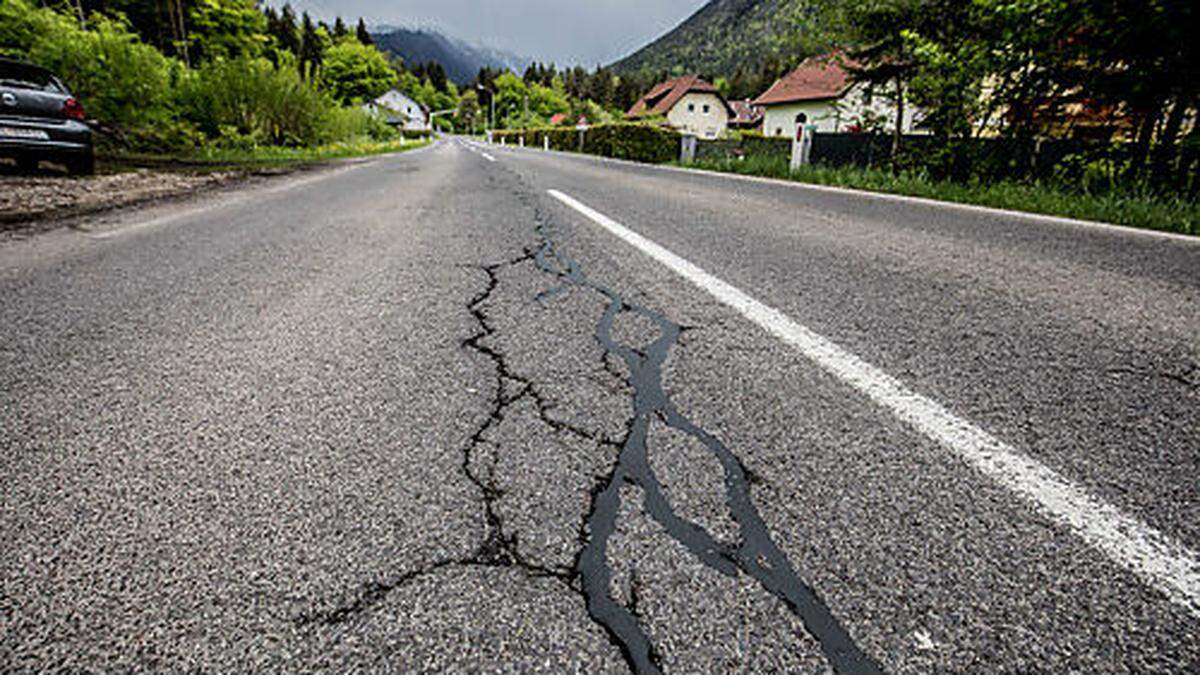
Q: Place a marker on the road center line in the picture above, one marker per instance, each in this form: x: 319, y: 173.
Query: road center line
x: 1158, y: 559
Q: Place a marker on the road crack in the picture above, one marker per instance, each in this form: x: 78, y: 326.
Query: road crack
x: 755, y: 554
x: 499, y: 546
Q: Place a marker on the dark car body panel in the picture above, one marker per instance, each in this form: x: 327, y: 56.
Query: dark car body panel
x: 33, y: 123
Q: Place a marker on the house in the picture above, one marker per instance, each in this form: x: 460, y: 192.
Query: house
x: 690, y: 105
x: 823, y: 90
x: 558, y: 119
x: 402, y: 111
x: 747, y: 116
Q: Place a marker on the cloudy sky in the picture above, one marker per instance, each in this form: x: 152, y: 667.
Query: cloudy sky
x: 586, y: 32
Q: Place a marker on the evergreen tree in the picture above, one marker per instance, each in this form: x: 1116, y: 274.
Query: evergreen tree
x: 311, y: 47
x: 284, y: 30
x: 364, y: 36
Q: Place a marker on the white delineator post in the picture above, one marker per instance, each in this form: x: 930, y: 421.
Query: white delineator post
x: 521, y: 140
x: 503, y: 141
x: 546, y: 143
x: 801, y: 145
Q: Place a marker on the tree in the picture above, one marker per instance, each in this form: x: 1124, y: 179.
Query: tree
x: 355, y: 73
x: 339, y: 29
x: 227, y: 29
x: 313, y: 42
x: 284, y: 30
x: 364, y: 36
x: 469, y: 111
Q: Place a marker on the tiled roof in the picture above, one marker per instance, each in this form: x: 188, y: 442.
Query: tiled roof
x: 665, y: 95
x: 745, y: 112
x: 818, y: 78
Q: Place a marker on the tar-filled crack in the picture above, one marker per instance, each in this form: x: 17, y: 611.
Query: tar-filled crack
x: 755, y: 554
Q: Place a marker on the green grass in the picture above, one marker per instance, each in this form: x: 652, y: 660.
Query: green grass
x: 261, y: 158
x: 1142, y: 210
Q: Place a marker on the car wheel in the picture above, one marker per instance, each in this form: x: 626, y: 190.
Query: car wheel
x: 84, y: 165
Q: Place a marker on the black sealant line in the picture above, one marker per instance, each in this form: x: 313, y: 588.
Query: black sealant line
x: 756, y: 554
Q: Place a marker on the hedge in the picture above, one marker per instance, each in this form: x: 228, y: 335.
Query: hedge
x: 637, y: 142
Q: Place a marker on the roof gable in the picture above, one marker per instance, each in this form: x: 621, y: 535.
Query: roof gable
x: 664, y: 95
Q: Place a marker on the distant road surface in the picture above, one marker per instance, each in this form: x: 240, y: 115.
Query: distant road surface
x: 490, y: 409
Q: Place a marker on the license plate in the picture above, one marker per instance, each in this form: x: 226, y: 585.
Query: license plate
x: 18, y: 132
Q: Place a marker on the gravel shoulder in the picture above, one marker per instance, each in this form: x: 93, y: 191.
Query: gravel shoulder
x: 29, y: 201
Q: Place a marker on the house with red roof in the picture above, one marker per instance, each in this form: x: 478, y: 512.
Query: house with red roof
x: 824, y: 92
x: 689, y: 104
x: 747, y: 116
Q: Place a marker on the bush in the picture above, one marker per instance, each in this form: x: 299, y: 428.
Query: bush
x: 637, y: 142
x: 345, y: 124
x: 250, y: 101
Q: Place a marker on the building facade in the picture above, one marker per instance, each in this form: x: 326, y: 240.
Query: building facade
x: 822, y: 90
x: 689, y: 105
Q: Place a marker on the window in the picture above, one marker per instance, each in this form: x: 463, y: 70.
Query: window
x: 706, y: 108
x: 691, y: 107
x: 778, y: 131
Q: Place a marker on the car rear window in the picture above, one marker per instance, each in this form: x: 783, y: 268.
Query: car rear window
x: 28, y: 77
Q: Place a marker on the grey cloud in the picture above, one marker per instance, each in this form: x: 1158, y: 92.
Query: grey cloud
x: 562, y: 31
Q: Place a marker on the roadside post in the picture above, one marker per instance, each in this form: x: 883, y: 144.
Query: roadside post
x: 687, y: 148
x: 802, y: 142
x: 521, y: 139
x: 490, y: 140
x: 582, y: 129
x: 546, y: 142
x: 503, y: 141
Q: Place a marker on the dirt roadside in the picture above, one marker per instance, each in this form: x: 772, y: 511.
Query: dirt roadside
x: 36, y: 203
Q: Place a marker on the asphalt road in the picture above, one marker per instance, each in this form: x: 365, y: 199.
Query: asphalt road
x: 496, y: 409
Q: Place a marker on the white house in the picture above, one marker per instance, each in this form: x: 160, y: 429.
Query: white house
x: 690, y: 105
x: 823, y: 91
x: 401, y: 110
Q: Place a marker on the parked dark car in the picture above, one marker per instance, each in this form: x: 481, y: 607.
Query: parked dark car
x: 41, y: 121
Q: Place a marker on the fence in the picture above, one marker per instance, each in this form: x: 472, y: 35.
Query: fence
x: 1076, y: 161
x: 1081, y: 162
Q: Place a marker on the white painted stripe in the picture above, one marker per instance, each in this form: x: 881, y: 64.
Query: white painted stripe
x: 1158, y: 559
x: 488, y: 157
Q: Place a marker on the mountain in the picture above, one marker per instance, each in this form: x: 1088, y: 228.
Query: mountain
x: 461, y: 60
x: 724, y: 36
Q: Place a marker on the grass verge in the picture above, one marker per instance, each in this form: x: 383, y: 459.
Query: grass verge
x: 258, y: 159
x: 1141, y: 210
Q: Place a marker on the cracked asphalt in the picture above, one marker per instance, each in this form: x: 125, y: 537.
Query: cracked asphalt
x: 415, y: 414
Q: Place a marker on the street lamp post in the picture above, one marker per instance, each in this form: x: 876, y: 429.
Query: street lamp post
x: 492, y: 100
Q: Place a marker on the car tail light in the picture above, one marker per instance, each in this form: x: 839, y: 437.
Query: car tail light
x: 73, y: 109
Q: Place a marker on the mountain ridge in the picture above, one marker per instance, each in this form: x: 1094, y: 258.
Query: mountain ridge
x: 460, y: 59
x: 724, y: 36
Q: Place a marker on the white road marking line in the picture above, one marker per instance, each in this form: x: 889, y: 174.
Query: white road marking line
x: 1157, y: 558
x: 487, y: 157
